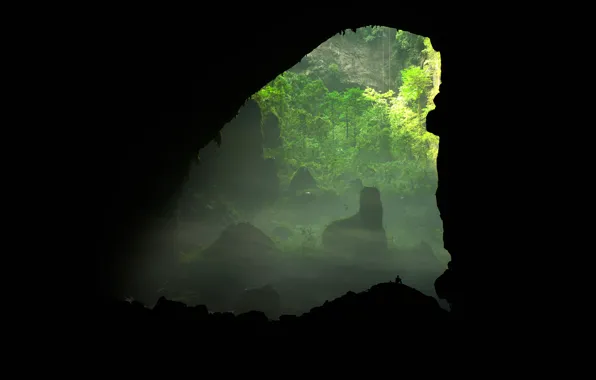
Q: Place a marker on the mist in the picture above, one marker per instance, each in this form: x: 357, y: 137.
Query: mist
x: 324, y: 183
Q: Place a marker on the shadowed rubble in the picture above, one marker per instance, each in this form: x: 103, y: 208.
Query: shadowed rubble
x: 390, y: 308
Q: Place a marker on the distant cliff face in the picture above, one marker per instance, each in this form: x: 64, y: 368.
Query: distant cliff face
x: 348, y: 61
x: 371, y: 57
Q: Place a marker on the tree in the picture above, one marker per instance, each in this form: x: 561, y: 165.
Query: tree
x: 416, y: 82
x: 352, y: 103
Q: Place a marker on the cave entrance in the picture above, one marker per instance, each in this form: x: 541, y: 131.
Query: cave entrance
x: 350, y: 115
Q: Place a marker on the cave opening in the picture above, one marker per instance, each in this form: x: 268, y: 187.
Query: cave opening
x: 350, y: 115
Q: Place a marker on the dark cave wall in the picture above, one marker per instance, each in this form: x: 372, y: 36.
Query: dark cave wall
x: 168, y: 107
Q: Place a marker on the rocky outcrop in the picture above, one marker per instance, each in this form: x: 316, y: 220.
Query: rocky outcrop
x: 362, y: 234
x: 271, y: 132
x: 264, y: 299
x: 241, y: 257
x: 370, y: 57
x: 343, y: 62
x: 234, y: 164
x: 391, y: 308
x: 242, y: 243
x: 302, y: 180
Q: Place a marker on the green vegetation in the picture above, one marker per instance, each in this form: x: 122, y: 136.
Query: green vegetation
x: 341, y: 129
x: 379, y: 137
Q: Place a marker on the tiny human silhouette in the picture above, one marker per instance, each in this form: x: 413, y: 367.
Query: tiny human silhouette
x: 363, y: 232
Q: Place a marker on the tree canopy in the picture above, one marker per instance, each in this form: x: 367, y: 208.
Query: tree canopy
x: 377, y: 136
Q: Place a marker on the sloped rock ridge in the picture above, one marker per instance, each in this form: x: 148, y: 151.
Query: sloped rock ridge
x: 390, y: 308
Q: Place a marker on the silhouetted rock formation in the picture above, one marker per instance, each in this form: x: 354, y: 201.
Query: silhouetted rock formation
x: 242, y: 243
x: 301, y: 180
x: 264, y: 299
x: 271, y: 132
x: 386, y: 303
x: 245, y: 174
x: 236, y: 166
x: 361, y: 234
x: 242, y: 257
x: 242, y: 138
x: 391, y: 308
x: 450, y: 288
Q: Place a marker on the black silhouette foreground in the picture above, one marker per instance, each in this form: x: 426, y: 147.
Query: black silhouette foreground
x: 265, y: 299
x: 386, y: 309
x: 361, y: 234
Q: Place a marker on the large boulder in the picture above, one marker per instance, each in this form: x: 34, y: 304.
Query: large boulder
x: 243, y: 244
x: 242, y: 257
x: 362, y: 235
x: 236, y: 165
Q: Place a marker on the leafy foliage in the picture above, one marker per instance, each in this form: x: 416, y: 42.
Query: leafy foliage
x: 378, y: 137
